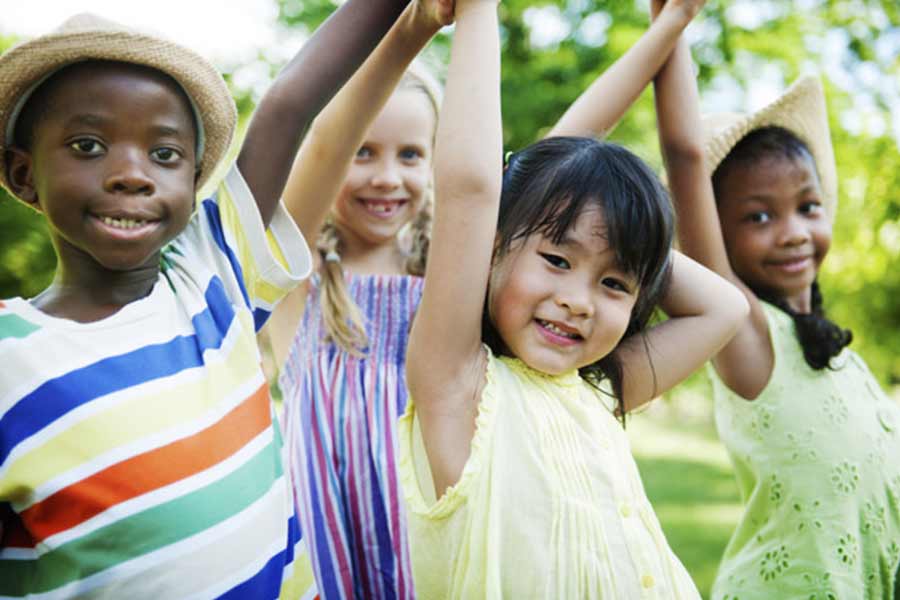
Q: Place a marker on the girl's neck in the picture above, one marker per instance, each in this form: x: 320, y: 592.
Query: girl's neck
x: 800, y: 303
x: 373, y: 259
x: 86, y: 295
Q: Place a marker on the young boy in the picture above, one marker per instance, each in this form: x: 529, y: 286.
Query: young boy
x: 139, y: 457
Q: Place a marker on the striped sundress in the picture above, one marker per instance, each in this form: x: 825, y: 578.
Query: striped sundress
x: 340, y: 414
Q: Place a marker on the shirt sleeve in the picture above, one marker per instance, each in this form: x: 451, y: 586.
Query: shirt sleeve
x: 258, y: 266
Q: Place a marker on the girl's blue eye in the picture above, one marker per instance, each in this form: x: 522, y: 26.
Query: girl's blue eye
x: 410, y: 154
x: 557, y: 261
x: 166, y: 155
x: 364, y: 152
x: 87, y: 146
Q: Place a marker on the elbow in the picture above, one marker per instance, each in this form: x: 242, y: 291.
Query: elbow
x: 683, y: 153
x: 736, y: 307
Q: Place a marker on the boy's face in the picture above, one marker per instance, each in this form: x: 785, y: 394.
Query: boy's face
x: 111, y: 164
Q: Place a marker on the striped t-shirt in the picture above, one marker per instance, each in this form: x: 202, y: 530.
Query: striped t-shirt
x: 139, y: 454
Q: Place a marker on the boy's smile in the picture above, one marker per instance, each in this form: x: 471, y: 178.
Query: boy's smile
x: 112, y: 165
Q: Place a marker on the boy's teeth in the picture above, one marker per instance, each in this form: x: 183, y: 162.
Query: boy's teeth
x: 123, y: 223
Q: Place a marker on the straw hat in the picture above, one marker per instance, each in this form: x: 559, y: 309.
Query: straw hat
x: 801, y: 110
x: 88, y: 37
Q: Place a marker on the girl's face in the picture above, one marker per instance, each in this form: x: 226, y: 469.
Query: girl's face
x: 391, y: 172
x: 562, y: 307
x: 775, y: 227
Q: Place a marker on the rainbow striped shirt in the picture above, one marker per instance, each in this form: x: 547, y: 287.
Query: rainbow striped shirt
x: 139, y: 454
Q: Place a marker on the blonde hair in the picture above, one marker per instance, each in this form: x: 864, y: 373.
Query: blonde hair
x: 344, y: 322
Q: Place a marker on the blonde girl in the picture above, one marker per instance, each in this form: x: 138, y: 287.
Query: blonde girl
x: 812, y: 436
x: 531, y: 335
x: 342, y: 367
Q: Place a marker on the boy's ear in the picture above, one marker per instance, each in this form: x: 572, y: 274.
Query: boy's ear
x: 20, y: 174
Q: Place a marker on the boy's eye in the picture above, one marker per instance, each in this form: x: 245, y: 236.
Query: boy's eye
x: 557, y: 261
x: 616, y: 284
x: 165, y: 155
x: 87, y: 146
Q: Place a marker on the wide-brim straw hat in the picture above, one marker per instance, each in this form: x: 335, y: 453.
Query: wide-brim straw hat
x: 88, y: 37
x: 801, y: 110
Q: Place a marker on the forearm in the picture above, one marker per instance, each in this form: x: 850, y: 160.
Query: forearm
x: 469, y: 145
x: 302, y: 88
x: 601, y: 106
x: 678, y: 108
x: 681, y: 144
x: 336, y: 134
x: 704, y: 313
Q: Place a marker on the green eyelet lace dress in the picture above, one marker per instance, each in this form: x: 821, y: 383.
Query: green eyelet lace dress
x: 817, y: 462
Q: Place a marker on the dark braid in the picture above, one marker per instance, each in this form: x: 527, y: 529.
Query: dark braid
x: 820, y: 338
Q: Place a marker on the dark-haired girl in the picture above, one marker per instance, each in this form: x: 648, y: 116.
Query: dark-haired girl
x: 813, y: 438
x: 531, y: 336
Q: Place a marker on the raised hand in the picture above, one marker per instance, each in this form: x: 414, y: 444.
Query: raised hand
x: 684, y: 10
x: 434, y: 12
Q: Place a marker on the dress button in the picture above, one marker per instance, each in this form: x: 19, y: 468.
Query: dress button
x: 625, y: 510
x: 647, y: 582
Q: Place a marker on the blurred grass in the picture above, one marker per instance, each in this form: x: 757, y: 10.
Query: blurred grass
x: 689, y: 481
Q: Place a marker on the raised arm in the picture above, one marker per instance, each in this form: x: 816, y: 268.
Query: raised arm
x: 337, y: 133
x: 704, y: 312
x: 445, y: 363
x: 302, y: 88
x: 600, y: 107
x: 745, y: 363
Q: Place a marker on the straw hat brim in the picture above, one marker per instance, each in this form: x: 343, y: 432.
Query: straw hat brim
x: 87, y: 37
x: 801, y: 110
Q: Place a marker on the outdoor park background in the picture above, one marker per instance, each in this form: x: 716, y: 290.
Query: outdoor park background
x: 746, y: 51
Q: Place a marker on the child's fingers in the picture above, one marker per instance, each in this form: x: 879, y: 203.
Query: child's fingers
x: 440, y: 12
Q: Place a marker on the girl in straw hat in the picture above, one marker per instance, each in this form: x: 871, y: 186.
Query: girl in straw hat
x: 343, y: 374
x: 812, y: 436
x: 139, y: 457
x: 531, y: 336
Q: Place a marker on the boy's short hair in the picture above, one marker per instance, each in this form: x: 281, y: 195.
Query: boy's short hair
x: 86, y: 37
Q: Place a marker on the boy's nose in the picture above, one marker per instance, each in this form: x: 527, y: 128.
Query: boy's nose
x: 128, y: 175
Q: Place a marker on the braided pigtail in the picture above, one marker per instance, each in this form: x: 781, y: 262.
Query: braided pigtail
x: 820, y: 338
x: 344, y: 322
x: 420, y: 239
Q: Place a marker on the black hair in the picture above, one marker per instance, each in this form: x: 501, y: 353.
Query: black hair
x: 549, y: 184
x: 40, y: 102
x: 820, y: 338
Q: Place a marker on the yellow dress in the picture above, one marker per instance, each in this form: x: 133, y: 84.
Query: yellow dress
x: 549, y: 504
